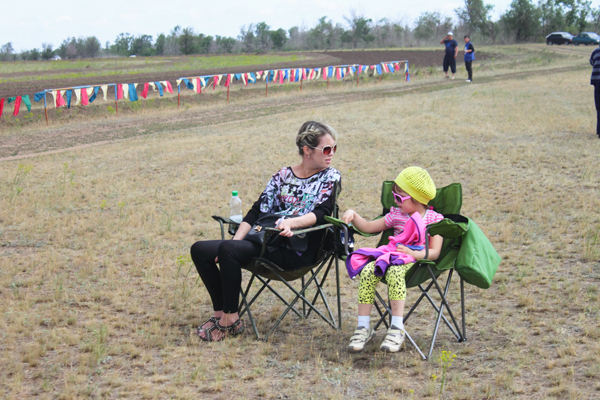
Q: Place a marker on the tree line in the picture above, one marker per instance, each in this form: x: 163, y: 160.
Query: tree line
x: 524, y: 21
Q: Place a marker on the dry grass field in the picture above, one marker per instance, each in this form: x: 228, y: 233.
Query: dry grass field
x: 99, y: 298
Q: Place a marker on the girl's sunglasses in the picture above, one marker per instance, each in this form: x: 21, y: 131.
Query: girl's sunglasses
x: 400, y: 199
x: 327, y: 150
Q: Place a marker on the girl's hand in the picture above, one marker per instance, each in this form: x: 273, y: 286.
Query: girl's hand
x: 348, y: 216
x: 404, y: 249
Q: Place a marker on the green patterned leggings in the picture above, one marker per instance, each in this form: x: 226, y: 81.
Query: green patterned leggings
x: 394, y: 277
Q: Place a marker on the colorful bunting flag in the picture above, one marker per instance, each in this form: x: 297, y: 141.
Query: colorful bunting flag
x: 228, y: 80
x: 1, y: 107
x: 38, y: 96
x: 95, y: 93
x: 17, y: 101
x: 77, y: 95
x: 160, y: 88
x: 27, y: 102
x: 69, y: 94
x: 119, y: 91
x: 132, y: 92
x: 168, y: 86
x: 105, y: 91
x: 144, y: 93
x: 84, y: 96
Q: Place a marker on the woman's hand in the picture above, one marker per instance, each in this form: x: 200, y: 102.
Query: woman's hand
x: 348, y: 216
x: 286, y: 227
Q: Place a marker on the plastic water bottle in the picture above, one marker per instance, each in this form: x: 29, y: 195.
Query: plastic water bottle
x: 236, y: 211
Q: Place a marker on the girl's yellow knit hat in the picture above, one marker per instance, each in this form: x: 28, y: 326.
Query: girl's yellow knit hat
x: 417, y: 183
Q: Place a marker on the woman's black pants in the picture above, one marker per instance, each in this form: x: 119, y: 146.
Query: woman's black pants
x: 224, y: 282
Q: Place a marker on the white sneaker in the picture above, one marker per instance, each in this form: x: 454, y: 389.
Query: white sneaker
x: 468, y: 80
x: 360, y: 338
x: 393, y: 340
x: 452, y: 78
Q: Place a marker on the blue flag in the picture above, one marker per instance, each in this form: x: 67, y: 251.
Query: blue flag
x: 160, y: 89
x: 132, y: 93
x: 69, y: 96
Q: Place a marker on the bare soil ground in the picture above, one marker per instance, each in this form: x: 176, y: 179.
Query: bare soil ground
x: 317, y: 59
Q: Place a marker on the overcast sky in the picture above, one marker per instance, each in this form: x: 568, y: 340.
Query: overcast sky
x: 28, y: 25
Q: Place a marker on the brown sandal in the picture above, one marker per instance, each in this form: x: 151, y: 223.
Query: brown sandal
x: 235, y: 329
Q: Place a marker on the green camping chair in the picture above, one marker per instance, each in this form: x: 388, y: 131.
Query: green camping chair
x: 266, y: 273
x: 452, y: 228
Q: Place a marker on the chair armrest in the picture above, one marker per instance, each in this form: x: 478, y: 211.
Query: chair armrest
x: 451, y: 227
x: 223, y: 220
x: 339, y: 223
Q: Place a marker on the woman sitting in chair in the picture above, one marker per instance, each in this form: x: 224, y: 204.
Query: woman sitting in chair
x: 303, y: 190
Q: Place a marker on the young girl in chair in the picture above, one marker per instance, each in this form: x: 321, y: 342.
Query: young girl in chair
x: 412, y: 190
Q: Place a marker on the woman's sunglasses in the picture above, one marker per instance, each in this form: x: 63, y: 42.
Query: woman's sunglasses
x: 400, y: 199
x: 327, y: 150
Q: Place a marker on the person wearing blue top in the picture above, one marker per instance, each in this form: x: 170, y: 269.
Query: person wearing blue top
x: 595, y: 80
x: 451, y: 53
x: 469, y: 57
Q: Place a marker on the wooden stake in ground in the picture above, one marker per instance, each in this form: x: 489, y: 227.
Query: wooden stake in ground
x: 46, y: 109
x: 116, y: 100
x: 228, y: 93
x: 267, y: 90
x: 301, y: 83
x: 327, y: 83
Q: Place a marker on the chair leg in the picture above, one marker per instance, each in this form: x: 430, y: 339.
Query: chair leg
x: 250, y: 317
x: 315, y: 298
x: 462, y: 306
x: 304, y: 305
x: 339, y: 300
x: 298, y: 297
x: 322, y: 295
x: 388, y: 312
x: 266, y: 285
x: 441, y: 309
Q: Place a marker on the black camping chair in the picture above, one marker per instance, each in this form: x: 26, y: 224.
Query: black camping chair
x: 448, y: 202
x: 266, y: 273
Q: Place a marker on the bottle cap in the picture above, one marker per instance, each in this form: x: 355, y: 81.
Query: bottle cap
x: 234, y: 193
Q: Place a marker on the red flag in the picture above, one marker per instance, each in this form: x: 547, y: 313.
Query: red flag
x: 228, y: 80
x: 144, y: 93
x: 292, y: 75
x: 17, y: 106
x: 338, y: 73
x: 385, y: 68
x: 281, y: 74
x: 1, y: 107
x: 119, y: 91
x: 169, y: 87
x: 303, y: 74
x: 198, y: 86
x: 59, y: 99
x: 84, y: 97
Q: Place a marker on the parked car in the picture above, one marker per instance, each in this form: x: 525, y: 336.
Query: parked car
x: 559, y: 38
x: 586, y: 38
x: 55, y: 58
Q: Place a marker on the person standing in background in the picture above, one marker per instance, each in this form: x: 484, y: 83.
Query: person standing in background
x: 469, y: 57
x: 451, y: 53
x: 595, y: 80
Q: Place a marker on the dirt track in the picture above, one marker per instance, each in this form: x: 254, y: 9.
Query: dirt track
x: 96, y: 132
x: 418, y: 58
